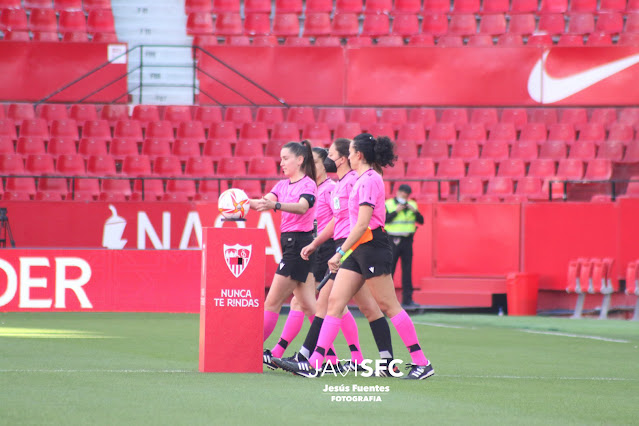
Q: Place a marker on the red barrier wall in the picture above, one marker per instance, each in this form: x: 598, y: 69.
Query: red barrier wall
x: 424, y: 75
x: 100, y: 280
x: 32, y: 70
x: 555, y: 233
x: 476, y: 239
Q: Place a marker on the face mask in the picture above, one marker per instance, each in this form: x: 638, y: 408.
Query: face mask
x: 401, y: 200
x: 330, y: 165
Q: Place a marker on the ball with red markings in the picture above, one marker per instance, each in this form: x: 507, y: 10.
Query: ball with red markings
x: 233, y: 204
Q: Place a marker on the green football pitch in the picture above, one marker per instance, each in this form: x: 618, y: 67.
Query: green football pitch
x: 113, y: 369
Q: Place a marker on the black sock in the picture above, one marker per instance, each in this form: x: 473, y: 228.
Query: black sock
x: 311, y: 337
x: 381, y: 333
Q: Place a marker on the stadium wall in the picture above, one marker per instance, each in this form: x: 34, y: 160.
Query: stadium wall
x: 158, y: 268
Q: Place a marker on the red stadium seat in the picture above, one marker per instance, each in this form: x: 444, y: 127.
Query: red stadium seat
x: 255, y: 132
x: 375, y: 25
x: 199, y: 23
x: 156, y: 148
x: 456, y: 116
x: 30, y: 145
x: 314, y: 6
x: 486, y: 116
x: 581, y: 23
x: 451, y: 168
x: 231, y: 166
x: 409, y: 6
x: 498, y: 188
x: 301, y: 116
x: 512, y: 168
x: 396, y: 117
x: 406, y: 25
x: 286, y: 25
x: 113, y: 113
x: 379, y: 6
x: 101, y: 165
x: 183, y: 189
x: 390, y: 40
x: 364, y: 116
x: 67, y: 4
x: 16, y: 35
x: 257, y: 24
x: 542, y: 168
x: 121, y: 148
x: 36, y: 127
x: 583, y: 6
x: 349, y: 6
x: 632, y: 153
x: 185, y: 148
x: 160, y: 130
x: 420, y: 168
x: 412, y: 132
x: 495, y: 149
x: 525, y: 150
x: 555, y: 150
x: 119, y: 188
x: 297, y: 41
x: 443, y: 132
x: 20, y: 185
x: 130, y: 129
x: 435, y: 149
x: 330, y: 41
x: 425, y: 116
x: 167, y: 166
x: 462, y: 24
x: 13, y: 20
x: 225, y: 6
x: 75, y: 37
x: 13, y: 4
x: 89, y: 147
x: 6, y: 145
x: 564, y: 132
x: 199, y: 166
x: 43, y: 20
x: 262, y: 166
x: 553, y: 6
x: 145, y: 114
x: 510, y: 40
x: 611, y: 23
x: 503, y: 132
x: 466, y: 6
x: 574, y: 116
x: 273, y: 149
x: 71, y: 165
x: 570, y: 168
x: 191, y: 130
x: 56, y: 187
x: 238, y: 116
x: 96, y: 129
x: 493, y: 24
x: 345, y: 25
x: 294, y: 6
x: 208, y: 115
x: 470, y: 188
x: 317, y: 24
x: 100, y: 21
x: 612, y: 5
x: 534, y: 132
x: 599, y: 39
x: 268, y: 40
x: 571, y: 40
x: 198, y: 6
x: 147, y: 190
x: 175, y: 114
x: 90, y: 5
x: 39, y: 164
x: 436, y: 6
x: 270, y: 116
x: 611, y: 150
x: 436, y: 24
x: 583, y: 150
x: 621, y: 132
x: 478, y: 40
x: 318, y: 133
x: 72, y: 21
x: 136, y: 165
x: 83, y: 112
x: 64, y: 129
x: 482, y: 168
x: 594, y: 132
x: 382, y: 129
x: 473, y: 132
x: 46, y: 36
x: 285, y: 132
x: 11, y: 164
x: 552, y: 23
x: 223, y: 132
x: 598, y: 169
x: 332, y: 117
x: 205, y: 40
x: 257, y: 6
x: 228, y: 24
x: 406, y: 150
x: 522, y: 24
x: 347, y: 130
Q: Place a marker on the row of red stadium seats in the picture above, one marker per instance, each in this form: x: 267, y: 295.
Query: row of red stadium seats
x: 426, y: 40
x: 302, y: 115
x: 133, y: 164
x: 350, y: 25
x: 410, y: 6
x: 59, y: 5
x: 47, y: 20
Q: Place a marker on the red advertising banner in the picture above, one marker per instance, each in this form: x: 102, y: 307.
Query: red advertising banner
x: 100, y: 280
x: 232, y: 301
x: 375, y: 75
x: 32, y: 70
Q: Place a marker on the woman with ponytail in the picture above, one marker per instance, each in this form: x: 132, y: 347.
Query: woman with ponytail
x: 370, y: 263
x: 295, y: 196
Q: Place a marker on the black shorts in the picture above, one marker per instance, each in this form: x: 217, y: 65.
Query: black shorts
x: 292, y: 264
x: 321, y: 257
x: 373, y: 258
x: 338, y: 243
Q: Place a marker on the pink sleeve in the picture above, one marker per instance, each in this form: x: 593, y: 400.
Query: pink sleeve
x: 277, y: 189
x: 367, y: 193
x: 310, y: 188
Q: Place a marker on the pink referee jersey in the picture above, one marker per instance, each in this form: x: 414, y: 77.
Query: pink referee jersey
x: 339, y: 204
x: 368, y: 189
x: 290, y: 192
x: 323, y: 211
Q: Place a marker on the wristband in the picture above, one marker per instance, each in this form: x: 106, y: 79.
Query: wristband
x: 340, y: 251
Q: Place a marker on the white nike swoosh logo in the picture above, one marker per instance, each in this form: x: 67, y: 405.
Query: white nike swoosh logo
x: 546, y: 89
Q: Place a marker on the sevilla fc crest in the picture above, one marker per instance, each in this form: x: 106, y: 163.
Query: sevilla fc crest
x: 237, y: 258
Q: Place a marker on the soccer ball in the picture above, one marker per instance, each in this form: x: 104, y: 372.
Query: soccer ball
x: 233, y: 204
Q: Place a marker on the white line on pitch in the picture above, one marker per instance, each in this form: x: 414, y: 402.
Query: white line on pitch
x: 578, y: 336
x: 435, y: 324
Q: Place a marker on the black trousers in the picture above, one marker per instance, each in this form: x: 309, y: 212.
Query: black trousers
x: 403, y: 248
